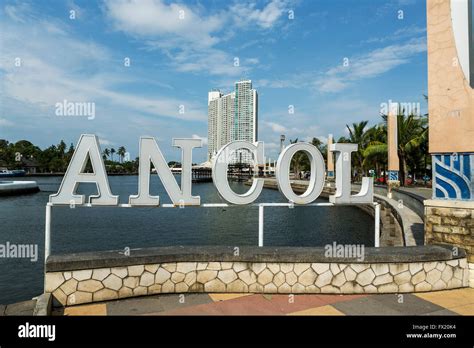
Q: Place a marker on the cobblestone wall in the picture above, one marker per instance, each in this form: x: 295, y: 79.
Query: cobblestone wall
x: 451, y: 222
x: 92, y: 285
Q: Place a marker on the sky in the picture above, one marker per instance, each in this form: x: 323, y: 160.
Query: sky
x: 147, y: 65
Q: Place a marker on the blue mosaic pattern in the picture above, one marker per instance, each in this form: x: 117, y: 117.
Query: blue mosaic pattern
x: 453, y: 176
x: 393, y: 175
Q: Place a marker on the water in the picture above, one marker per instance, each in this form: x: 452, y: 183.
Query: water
x: 105, y: 228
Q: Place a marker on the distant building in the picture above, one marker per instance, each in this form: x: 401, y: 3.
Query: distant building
x: 233, y: 116
x: 30, y: 165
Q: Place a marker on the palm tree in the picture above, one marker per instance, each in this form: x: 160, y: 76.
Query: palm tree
x: 412, y: 134
x: 375, y: 154
x: 412, y: 131
x: 61, y: 154
x: 299, y: 161
x: 105, y: 153
x: 357, y: 135
x: 321, y: 147
x: 112, y: 151
x: 343, y: 140
x: 316, y: 142
x: 61, y: 148
x: 121, y: 152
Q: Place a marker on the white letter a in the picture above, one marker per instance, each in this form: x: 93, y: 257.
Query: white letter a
x: 88, y: 146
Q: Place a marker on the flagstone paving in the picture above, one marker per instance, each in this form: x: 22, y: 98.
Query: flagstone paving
x: 449, y: 302
x: 19, y: 308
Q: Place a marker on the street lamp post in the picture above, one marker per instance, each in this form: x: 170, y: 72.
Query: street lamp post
x: 282, y: 140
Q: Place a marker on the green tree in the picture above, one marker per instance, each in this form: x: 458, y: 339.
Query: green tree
x: 112, y: 151
x: 412, y: 132
x: 106, y: 153
x: 121, y: 152
x: 321, y: 146
x: 375, y: 154
x: 299, y: 162
x: 358, y: 135
x: 5, y: 150
x: 412, y: 147
x: 62, y: 156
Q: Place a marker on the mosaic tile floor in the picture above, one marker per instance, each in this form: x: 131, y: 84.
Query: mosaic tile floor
x: 450, y: 302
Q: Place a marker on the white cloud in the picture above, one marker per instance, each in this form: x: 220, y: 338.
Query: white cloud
x: 247, y: 14
x: 362, y: 66
x: 372, y: 64
x: 272, y: 146
x: 150, y: 18
x: 301, y: 128
x: 65, y: 76
x: 402, y: 33
x: 103, y: 141
x: 275, y: 127
x: 190, y: 41
x: 5, y: 123
x: 292, y: 82
x: 211, y: 60
x: 57, y: 65
x: 204, y: 139
x: 331, y: 85
x: 18, y: 13
x: 252, y: 61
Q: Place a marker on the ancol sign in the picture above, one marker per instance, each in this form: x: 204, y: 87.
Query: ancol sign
x: 88, y: 146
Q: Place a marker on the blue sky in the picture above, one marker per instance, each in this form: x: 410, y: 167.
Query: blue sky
x: 178, y: 51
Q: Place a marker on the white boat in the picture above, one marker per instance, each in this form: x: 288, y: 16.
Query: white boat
x: 17, y: 187
x: 5, y: 173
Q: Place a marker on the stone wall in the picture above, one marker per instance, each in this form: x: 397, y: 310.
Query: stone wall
x: 451, y: 223
x: 70, y: 287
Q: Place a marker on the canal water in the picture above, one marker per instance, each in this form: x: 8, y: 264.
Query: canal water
x: 22, y: 221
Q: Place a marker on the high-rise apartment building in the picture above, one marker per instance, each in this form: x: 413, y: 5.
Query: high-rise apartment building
x: 233, y: 116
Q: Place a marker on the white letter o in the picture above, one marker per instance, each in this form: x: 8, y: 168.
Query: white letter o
x: 316, y: 182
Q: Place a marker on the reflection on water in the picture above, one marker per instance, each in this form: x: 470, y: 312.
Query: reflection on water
x: 104, y: 228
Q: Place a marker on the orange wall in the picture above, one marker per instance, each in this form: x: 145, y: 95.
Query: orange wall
x: 450, y: 98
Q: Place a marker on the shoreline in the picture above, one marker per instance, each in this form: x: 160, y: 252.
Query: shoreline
x: 62, y: 174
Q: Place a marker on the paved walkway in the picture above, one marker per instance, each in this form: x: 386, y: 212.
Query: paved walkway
x: 425, y: 192
x: 19, y: 308
x: 450, y: 302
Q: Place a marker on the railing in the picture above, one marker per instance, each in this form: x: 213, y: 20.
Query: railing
x: 261, y: 207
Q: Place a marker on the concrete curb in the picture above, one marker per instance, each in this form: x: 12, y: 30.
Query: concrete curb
x: 159, y: 255
x: 43, y: 305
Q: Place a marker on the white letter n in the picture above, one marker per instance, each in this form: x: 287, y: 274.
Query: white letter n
x: 150, y: 152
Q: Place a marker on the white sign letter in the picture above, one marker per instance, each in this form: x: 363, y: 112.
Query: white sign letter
x: 316, y: 182
x: 219, y: 172
x: 343, y: 178
x: 87, y: 147
x: 150, y: 152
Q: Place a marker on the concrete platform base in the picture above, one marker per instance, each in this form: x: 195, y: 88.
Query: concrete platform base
x: 11, y: 188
